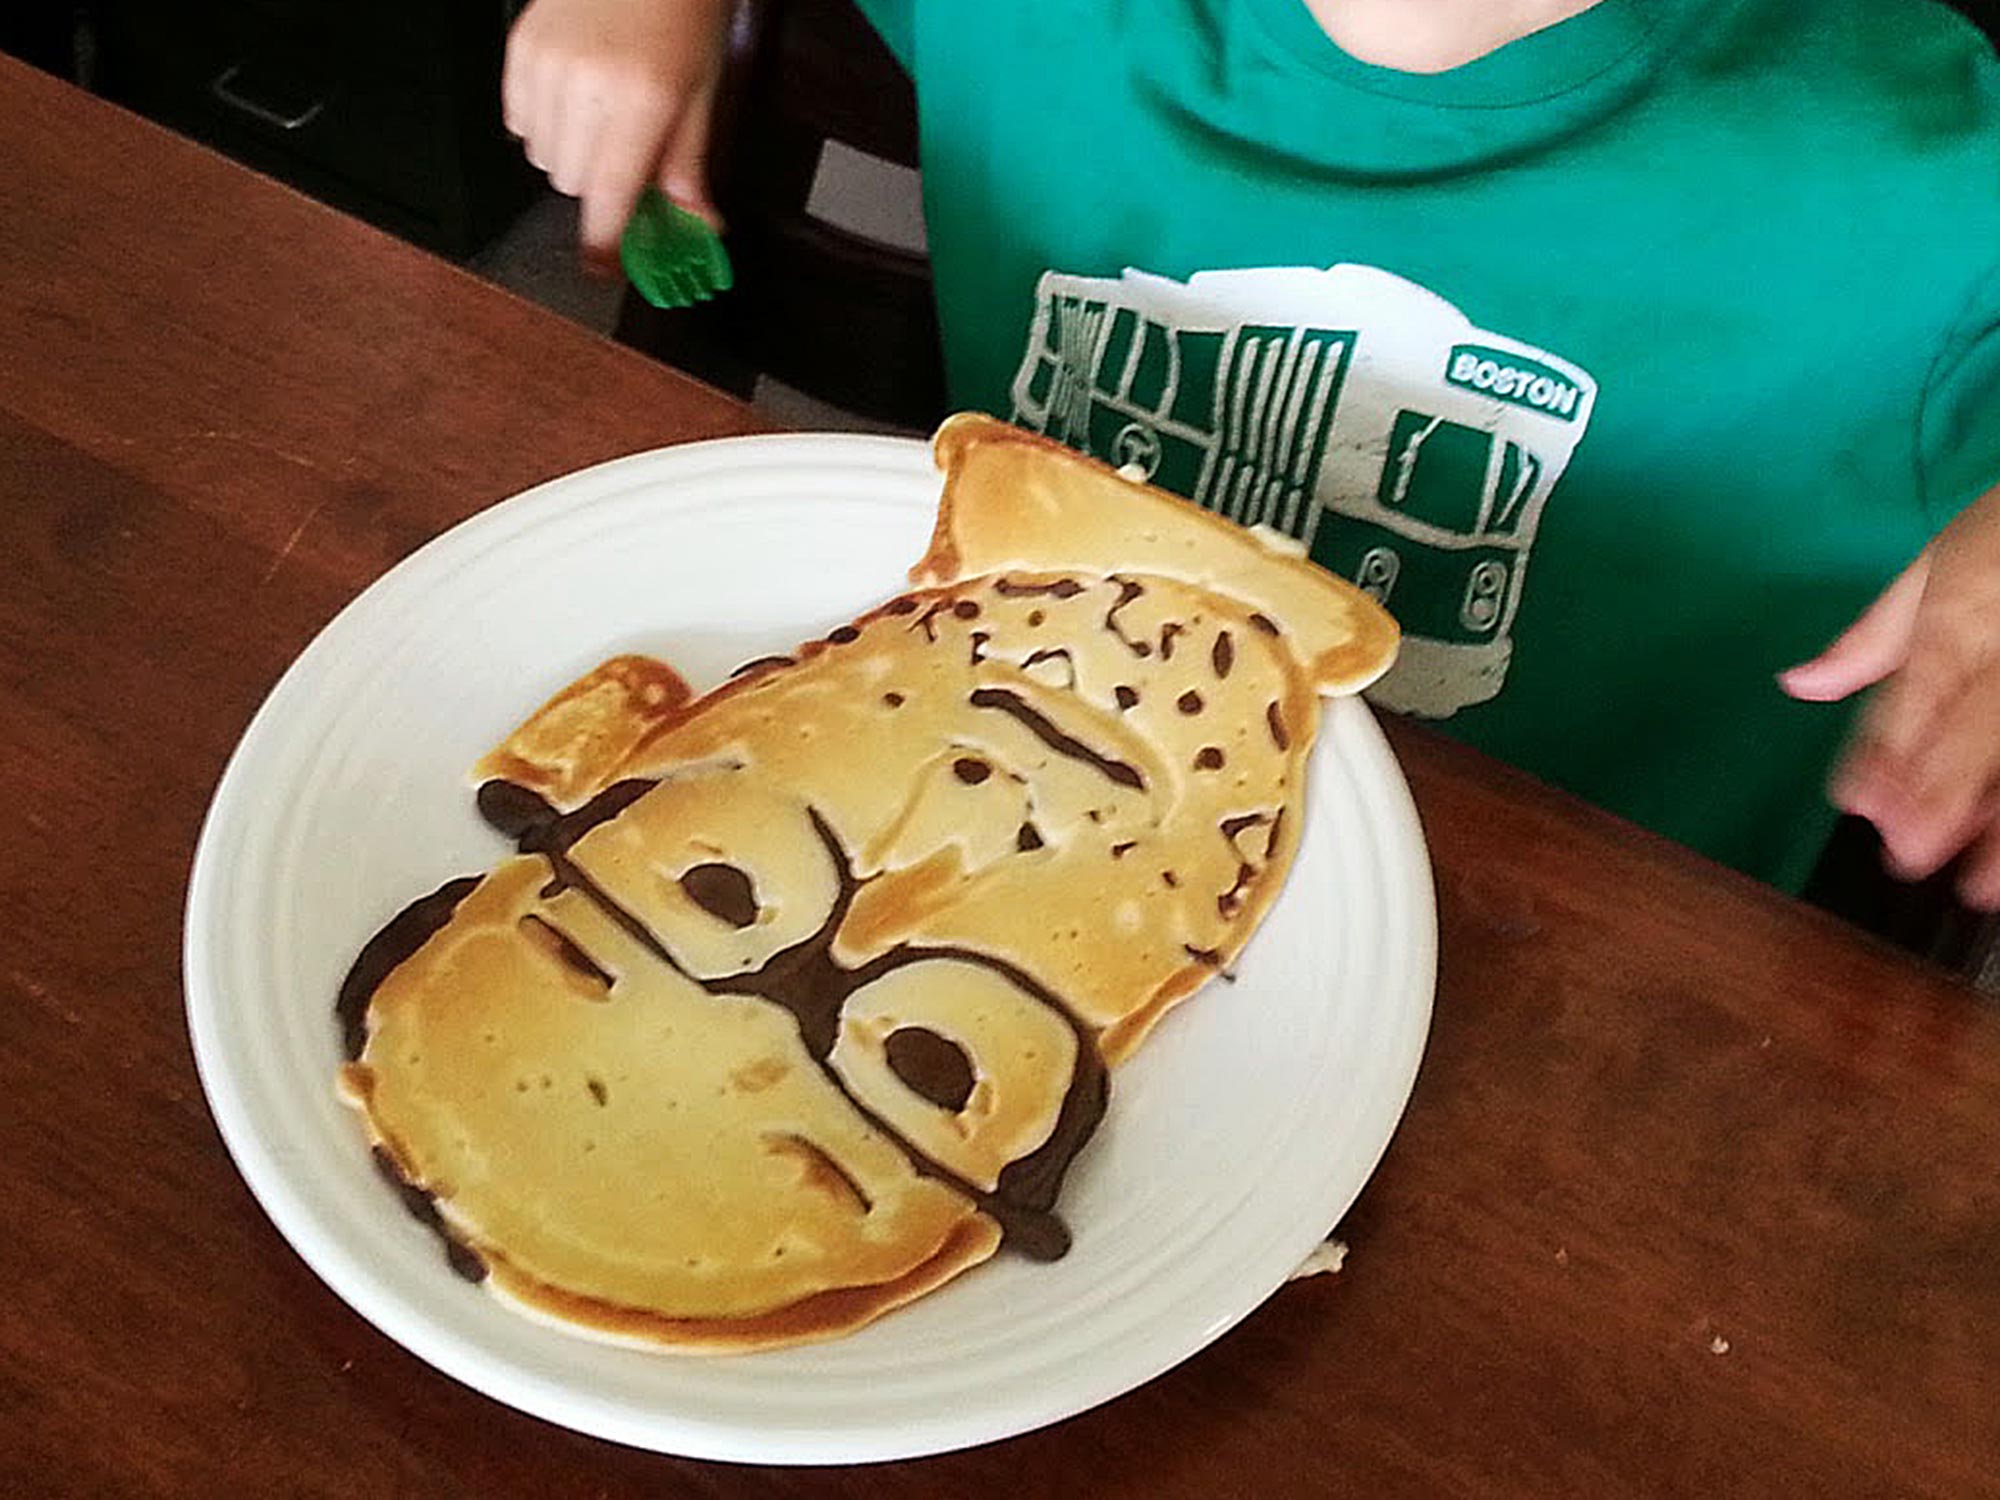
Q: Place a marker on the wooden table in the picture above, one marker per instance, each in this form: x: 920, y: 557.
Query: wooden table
x: 1696, y: 1194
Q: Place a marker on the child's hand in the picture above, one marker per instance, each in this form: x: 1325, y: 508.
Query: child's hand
x: 609, y: 95
x: 1925, y: 767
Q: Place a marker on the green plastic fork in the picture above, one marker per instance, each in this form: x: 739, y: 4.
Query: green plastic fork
x: 672, y: 257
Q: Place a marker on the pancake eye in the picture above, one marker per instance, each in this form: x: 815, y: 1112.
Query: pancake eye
x: 722, y: 868
x: 931, y: 1065
x: 723, y: 891
x: 962, y: 1059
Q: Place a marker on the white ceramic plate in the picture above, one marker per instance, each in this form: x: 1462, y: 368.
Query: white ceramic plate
x: 1236, y: 1138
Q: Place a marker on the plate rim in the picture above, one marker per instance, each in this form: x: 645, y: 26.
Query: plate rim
x: 613, y: 1418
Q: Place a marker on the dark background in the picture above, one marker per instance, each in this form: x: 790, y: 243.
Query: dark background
x: 388, y: 109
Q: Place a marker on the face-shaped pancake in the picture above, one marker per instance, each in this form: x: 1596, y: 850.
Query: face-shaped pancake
x: 799, y: 996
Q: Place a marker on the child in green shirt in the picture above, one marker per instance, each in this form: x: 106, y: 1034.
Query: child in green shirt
x: 1627, y: 350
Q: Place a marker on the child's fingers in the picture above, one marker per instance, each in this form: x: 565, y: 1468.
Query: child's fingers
x: 519, y: 93
x: 1917, y: 840
x: 627, y: 153
x: 1927, y: 757
x: 683, y: 173
x: 573, y: 157
x: 531, y: 79
x: 1927, y: 761
x: 598, y: 89
x: 1979, y: 881
x: 1921, y: 831
x: 514, y: 111
x: 542, y: 110
x: 1870, y: 649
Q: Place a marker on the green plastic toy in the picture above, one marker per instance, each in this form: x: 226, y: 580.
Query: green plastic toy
x: 672, y: 257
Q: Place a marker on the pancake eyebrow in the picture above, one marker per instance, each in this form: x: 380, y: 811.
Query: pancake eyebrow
x: 1124, y: 773
x: 565, y: 950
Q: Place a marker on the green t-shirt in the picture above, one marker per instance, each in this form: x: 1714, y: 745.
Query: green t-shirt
x: 1626, y: 364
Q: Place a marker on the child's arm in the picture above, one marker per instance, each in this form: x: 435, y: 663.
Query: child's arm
x: 1925, y: 767
x: 609, y: 95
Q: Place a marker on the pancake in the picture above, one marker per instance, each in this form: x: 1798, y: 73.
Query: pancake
x: 799, y: 996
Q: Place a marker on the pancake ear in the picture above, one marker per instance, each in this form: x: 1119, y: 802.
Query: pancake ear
x: 571, y: 747
x: 1013, y: 499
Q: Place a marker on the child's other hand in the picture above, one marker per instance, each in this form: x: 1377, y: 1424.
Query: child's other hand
x: 610, y: 95
x: 1925, y: 766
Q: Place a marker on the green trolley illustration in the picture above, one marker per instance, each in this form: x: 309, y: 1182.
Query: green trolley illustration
x: 1356, y: 413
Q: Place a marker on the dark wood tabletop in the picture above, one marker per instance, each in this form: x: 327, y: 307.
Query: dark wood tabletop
x: 1696, y: 1193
